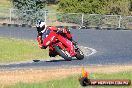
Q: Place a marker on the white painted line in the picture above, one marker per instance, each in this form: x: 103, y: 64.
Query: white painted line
x: 86, y: 53
x: 93, y: 51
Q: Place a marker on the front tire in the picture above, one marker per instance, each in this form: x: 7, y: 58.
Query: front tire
x: 62, y: 53
x: 80, y: 54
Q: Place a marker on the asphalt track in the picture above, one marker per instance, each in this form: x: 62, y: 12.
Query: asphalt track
x: 112, y: 46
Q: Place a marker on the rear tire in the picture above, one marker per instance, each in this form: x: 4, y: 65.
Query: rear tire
x: 62, y: 53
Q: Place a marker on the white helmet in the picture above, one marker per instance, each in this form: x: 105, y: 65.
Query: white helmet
x: 40, y: 24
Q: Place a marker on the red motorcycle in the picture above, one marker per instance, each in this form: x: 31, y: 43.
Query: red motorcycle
x: 62, y: 46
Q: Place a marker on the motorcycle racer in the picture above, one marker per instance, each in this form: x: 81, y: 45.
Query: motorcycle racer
x: 44, y: 30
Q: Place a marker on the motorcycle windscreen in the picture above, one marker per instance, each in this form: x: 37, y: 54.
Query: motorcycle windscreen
x: 49, y: 38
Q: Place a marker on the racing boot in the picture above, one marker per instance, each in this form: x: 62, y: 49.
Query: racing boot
x: 52, y: 53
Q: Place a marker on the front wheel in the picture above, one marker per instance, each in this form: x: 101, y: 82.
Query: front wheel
x: 80, y: 54
x: 63, y: 54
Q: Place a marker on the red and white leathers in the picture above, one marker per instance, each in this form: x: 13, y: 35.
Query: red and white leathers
x: 65, y: 32
x: 40, y: 38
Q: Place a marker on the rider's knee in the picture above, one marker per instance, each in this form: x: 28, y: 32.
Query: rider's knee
x: 43, y: 47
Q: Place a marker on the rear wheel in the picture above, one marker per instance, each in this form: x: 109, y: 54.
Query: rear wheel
x: 63, y: 54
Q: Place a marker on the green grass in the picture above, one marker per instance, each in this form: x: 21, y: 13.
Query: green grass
x: 72, y: 82
x: 12, y: 50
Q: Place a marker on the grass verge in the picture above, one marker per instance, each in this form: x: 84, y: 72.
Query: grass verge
x: 13, y: 50
x: 72, y: 81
